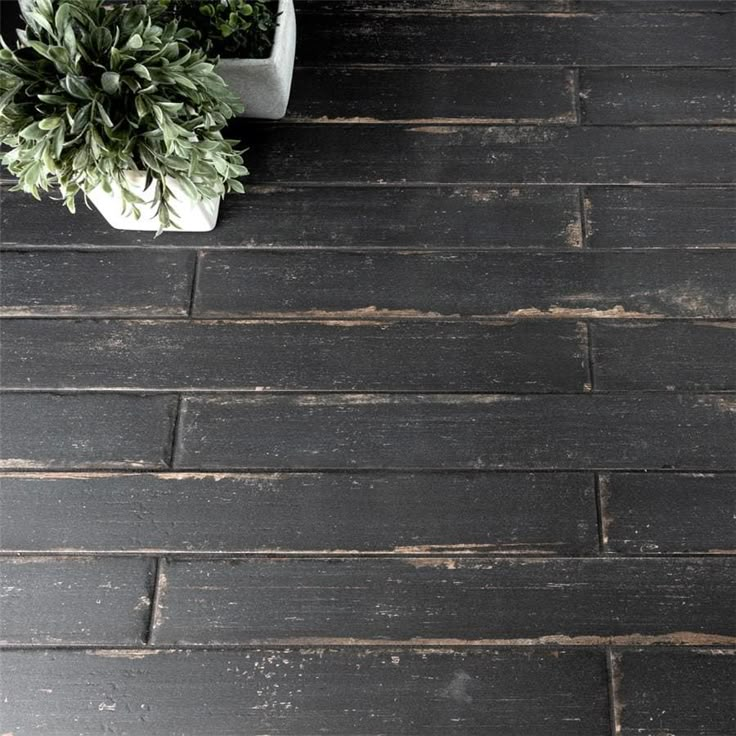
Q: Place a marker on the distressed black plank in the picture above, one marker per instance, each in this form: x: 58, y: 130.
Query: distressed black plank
x: 685, y: 692
x: 90, y: 601
x: 457, y: 431
x: 85, y: 430
x: 476, y: 95
x: 675, y: 356
x: 474, y: 7
x: 92, y: 283
x: 512, y: 513
x: 417, y: 692
x: 616, y: 38
x: 515, y: 601
x: 344, y: 217
x: 645, y: 96
x: 471, y: 154
x: 645, y: 513
x: 575, y: 284
x: 258, y: 355
x: 649, y: 217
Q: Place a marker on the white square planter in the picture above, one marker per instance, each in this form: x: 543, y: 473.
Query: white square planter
x: 263, y: 85
x: 191, y: 216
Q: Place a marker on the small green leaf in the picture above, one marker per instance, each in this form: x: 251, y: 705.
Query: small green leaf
x: 49, y: 123
x: 77, y: 86
x: 134, y: 42
x: 111, y: 82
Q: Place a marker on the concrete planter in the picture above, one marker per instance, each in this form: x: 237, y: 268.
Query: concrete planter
x: 191, y: 216
x: 263, y: 85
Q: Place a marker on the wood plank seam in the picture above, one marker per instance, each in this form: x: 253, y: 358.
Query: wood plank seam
x: 159, y: 589
x: 613, y: 672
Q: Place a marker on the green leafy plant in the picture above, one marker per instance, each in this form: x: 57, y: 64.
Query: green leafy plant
x: 228, y: 28
x: 93, y: 91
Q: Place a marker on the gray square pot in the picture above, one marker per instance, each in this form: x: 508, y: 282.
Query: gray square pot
x: 263, y: 85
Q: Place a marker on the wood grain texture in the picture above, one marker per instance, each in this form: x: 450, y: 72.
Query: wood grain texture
x: 330, y: 356
x: 651, y: 217
x: 86, y: 430
x: 478, y: 217
x: 686, y: 692
x: 651, y: 96
x: 121, y: 284
x: 367, y: 692
x: 394, y: 285
x: 556, y: 39
x: 668, y: 514
x: 465, y: 95
x: 312, y: 431
x: 674, y: 356
x: 80, y: 601
x: 473, y: 7
x: 476, y: 154
x: 314, y: 513
x: 514, y: 601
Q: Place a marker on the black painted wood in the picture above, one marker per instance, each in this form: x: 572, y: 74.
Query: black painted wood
x: 399, y: 513
x: 523, y: 601
x: 686, y: 692
x: 651, y: 217
x: 650, y: 513
x: 457, y: 154
x: 570, y: 285
x: 86, y: 430
x: 74, y: 601
x: 615, y: 38
x: 147, y: 283
x: 457, y: 431
x: 342, y: 356
x: 367, y: 692
x: 346, y: 217
x: 651, y: 96
x: 656, y: 356
x: 460, y: 94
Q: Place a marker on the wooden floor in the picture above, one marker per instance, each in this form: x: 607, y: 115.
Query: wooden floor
x: 432, y: 436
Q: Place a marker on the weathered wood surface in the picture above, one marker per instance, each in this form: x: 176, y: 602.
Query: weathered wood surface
x: 571, y: 285
x: 687, y: 692
x: 651, y: 96
x: 73, y: 601
x: 511, y: 601
x: 367, y: 692
x: 452, y: 94
x: 675, y: 356
x: 86, y: 430
x: 653, y: 217
x: 397, y: 513
x: 124, y: 284
x: 644, y: 513
x: 470, y: 431
x: 292, y: 355
x: 476, y: 154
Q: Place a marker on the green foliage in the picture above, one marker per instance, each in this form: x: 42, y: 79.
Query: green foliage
x: 92, y: 91
x: 229, y: 28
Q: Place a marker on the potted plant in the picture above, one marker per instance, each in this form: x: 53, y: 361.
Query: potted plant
x: 255, y: 41
x: 100, y: 99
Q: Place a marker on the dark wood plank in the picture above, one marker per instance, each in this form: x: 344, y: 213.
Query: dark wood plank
x: 86, y: 430
x: 395, y: 285
x: 91, y: 283
x: 472, y: 7
x: 267, y: 355
x: 322, y: 431
x: 416, y: 692
x: 475, y: 154
x: 685, y: 692
x: 89, y: 601
x: 645, y: 96
x: 342, y: 217
x: 650, y: 217
x: 552, y: 38
x: 668, y: 514
x: 470, y: 95
x: 315, y: 513
x: 434, y: 600
x: 674, y: 356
